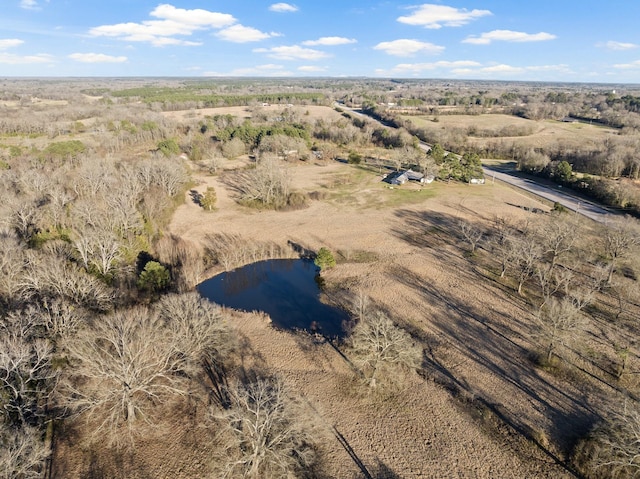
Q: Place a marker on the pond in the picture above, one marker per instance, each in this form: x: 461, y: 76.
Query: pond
x: 286, y: 289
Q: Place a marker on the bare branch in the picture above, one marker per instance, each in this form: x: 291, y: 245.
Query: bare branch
x: 377, y: 343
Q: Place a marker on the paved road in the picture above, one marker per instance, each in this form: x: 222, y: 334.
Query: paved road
x: 555, y: 194
x: 551, y: 193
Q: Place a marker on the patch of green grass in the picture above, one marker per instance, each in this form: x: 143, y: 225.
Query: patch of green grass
x: 401, y: 196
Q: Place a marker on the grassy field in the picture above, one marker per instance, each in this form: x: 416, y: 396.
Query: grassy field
x: 540, y: 134
x: 310, y: 112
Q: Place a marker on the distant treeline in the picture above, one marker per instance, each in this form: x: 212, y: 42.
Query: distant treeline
x: 209, y: 100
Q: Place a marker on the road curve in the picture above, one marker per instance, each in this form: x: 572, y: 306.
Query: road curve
x: 555, y: 194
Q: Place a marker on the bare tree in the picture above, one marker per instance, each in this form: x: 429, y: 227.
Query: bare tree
x: 377, y: 344
x: 196, y: 325
x: 269, y: 183
x: 233, y: 148
x: 12, y: 260
x: 614, y: 447
x: 50, y: 278
x: 283, y: 146
x: 625, y: 292
x: 106, y: 249
x: 360, y: 306
x: 269, y: 434
x: 169, y: 174
x: 552, y: 280
x: 61, y: 318
x: 558, y: 235
x: 59, y: 199
x: 527, y: 252
x: 122, y: 367
x: 502, y: 240
x: 619, y: 240
x: 471, y: 233
x: 186, y: 259
x: 559, y: 323
x: 212, y: 162
x: 25, y: 369
x: 24, y: 218
x: 22, y: 452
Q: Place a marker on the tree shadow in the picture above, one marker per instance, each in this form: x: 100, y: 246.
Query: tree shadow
x: 426, y: 229
x: 236, y: 183
x: 382, y: 471
x: 495, y: 347
x: 196, y: 197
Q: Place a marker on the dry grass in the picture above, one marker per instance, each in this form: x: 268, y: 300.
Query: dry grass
x: 474, y: 331
x: 544, y: 133
x: 311, y: 112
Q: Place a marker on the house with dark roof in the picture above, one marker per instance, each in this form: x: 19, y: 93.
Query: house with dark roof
x: 401, y: 177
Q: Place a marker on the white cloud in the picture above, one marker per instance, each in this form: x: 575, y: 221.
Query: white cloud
x: 550, y: 68
x: 10, y: 43
x: 11, y: 59
x: 416, y: 68
x: 283, y: 7
x: 612, y: 45
x: 196, y: 17
x: 405, y: 47
x: 461, y: 71
x: 97, y: 58
x: 293, y: 52
x: 508, y: 36
x: 173, y: 21
x: 241, y: 34
x: 502, y: 68
x: 311, y: 68
x: 30, y: 4
x: 168, y: 41
x: 437, y: 16
x: 329, y: 41
x: 628, y: 66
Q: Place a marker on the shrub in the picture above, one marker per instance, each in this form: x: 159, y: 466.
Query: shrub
x: 559, y: 208
x: 354, y: 158
x: 208, y: 199
x: 154, y: 277
x: 169, y: 147
x: 296, y: 200
x: 324, y: 259
x: 65, y: 149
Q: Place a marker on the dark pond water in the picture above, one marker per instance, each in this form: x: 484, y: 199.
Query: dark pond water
x: 285, y: 289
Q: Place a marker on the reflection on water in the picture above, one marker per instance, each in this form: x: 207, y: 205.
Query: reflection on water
x: 285, y: 289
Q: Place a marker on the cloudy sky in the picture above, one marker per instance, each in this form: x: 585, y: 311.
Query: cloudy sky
x: 559, y: 40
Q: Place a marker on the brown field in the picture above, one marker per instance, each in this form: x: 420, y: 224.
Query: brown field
x: 480, y: 394
x: 544, y: 133
x: 314, y: 112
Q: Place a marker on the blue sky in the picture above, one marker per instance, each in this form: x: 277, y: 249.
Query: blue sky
x: 560, y: 40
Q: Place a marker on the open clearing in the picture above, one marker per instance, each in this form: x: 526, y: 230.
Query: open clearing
x: 474, y: 330
x: 311, y: 112
x: 544, y: 133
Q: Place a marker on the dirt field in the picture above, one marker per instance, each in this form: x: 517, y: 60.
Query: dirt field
x: 480, y: 394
